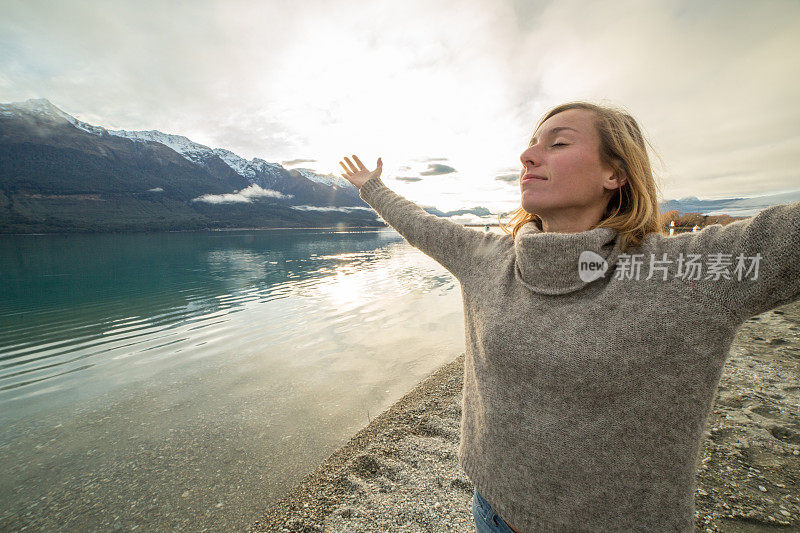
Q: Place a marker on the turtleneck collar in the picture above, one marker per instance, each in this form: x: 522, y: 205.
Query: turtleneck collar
x: 548, y: 263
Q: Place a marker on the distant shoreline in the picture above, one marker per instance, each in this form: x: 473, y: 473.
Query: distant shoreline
x: 188, y: 230
x: 346, y: 228
x: 680, y: 228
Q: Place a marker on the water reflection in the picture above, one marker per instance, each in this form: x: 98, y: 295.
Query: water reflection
x: 119, y: 297
x: 130, y: 364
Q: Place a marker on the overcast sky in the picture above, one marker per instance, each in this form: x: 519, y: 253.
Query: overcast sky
x: 446, y: 92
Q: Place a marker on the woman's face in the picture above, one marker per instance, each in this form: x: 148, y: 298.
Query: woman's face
x: 576, y: 179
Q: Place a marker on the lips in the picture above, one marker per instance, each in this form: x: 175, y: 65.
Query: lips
x: 532, y: 177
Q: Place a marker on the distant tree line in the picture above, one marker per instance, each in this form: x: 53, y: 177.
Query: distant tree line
x: 687, y: 221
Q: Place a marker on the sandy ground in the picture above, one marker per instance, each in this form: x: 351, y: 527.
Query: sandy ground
x: 400, y: 473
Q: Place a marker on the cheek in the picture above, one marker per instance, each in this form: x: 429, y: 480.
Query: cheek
x: 578, y: 169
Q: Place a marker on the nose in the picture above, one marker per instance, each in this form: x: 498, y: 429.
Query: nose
x: 530, y: 157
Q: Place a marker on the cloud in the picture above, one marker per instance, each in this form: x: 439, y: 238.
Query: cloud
x: 713, y: 85
x: 437, y: 169
x: 509, y: 178
x: 472, y: 219
x: 293, y: 162
x: 244, y: 196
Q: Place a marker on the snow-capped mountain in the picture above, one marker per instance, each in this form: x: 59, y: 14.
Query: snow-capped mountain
x: 248, y: 169
x: 62, y: 174
x: 738, y: 207
x: 194, y: 152
x: 42, y: 107
x: 326, y: 179
x: 256, y: 170
x: 200, y: 153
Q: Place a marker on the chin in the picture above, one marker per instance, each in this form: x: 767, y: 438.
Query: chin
x: 538, y: 207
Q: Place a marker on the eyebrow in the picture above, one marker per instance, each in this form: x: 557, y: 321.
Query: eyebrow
x: 554, y: 130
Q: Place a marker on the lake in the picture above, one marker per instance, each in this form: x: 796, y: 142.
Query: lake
x: 185, y: 380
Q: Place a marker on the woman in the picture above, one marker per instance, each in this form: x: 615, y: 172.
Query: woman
x: 595, y: 343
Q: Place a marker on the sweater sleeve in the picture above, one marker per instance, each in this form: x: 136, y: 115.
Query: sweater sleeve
x: 461, y: 250
x: 753, y: 265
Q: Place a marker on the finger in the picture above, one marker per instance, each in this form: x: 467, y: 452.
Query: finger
x: 351, y: 165
x: 346, y: 170
x: 360, y: 164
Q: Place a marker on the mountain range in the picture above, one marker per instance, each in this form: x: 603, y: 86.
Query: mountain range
x: 735, y: 207
x: 60, y: 174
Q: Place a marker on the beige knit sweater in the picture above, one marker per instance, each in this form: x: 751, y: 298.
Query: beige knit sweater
x: 586, y: 393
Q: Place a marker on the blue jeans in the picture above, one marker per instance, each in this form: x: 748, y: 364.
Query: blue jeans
x: 486, y: 520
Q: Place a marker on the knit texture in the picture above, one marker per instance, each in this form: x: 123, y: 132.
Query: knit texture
x: 585, y: 402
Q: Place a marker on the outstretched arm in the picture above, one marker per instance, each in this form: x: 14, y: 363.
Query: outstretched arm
x: 754, y: 263
x: 462, y: 251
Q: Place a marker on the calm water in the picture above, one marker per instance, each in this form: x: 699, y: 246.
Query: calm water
x: 186, y: 380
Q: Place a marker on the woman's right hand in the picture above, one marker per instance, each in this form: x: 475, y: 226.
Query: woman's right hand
x: 359, y: 175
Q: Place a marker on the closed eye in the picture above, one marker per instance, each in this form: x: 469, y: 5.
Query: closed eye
x: 561, y: 144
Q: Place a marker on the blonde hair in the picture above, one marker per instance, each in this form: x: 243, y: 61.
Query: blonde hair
x: 633, y: 210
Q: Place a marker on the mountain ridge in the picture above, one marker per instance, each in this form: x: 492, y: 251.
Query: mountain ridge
x: 60, y: 174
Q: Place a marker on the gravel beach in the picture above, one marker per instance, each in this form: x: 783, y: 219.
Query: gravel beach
x: 400, y: 472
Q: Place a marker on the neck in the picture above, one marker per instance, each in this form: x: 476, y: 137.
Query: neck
x: 568, y: 223
x: 572, y: 220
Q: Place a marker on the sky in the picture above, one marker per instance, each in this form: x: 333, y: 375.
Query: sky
x: 446, y: 92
